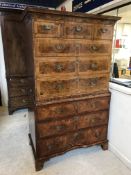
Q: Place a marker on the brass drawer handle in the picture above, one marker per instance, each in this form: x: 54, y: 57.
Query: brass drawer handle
x: 103, y: 30
x: 58, y: 67
x: 23, y: 100
x: 93, y: 120
x: 60, y: 110
x: 22, y: 81
x: 76, y: 136
x: 50, y: 147
x: 94, y: 48
x: 59, y: 128
x: 23, y: 90
x: 93, y: 82
x: 59, y: 86
x: 94, y: 66
x: 78, y: 29
x: 93, y: 105
x: 46, y: 27
x: 97, y: 134
x: 59, y: 47
x: 30, y: 90
x: 76, y: 118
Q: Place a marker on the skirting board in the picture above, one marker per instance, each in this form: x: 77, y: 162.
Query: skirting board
x: 124, y: 159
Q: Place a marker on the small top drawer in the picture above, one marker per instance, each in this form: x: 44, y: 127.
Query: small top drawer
x: 47, y: 28
x: 78, y: 30
x: 103, y: 32
x: 16, y: 82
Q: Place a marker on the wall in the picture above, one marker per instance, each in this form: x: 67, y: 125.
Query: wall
x: 3, y: 84
x: 67, y: 4
x: 119, y: 131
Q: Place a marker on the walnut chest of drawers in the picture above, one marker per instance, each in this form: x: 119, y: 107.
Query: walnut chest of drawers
x: 71, y: 55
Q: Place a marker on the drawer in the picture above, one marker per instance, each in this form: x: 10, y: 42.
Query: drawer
x: 55, y: 127
x: 56, y: 67
x: 94, y: 65
x: 20, y: 91
x: 54, y: 47
x: 43, y: 28
x: 94, y: 47
x: 78, y: 30
x: 104, y: 31
x: 92, y: 119
x: 21, y: 101
x: 76, y: 139
x: 71, y: 124
x: 16, y: 82
x: 49, y: 89
x: 94, y: 104
x: 98, y: 83
x: 56, y: 111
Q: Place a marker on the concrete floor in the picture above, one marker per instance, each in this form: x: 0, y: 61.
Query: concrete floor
x: 16, y: 156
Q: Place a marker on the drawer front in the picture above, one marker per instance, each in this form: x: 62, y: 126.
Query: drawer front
x: 90, y: 85
x: 54, y: 47
x: 78, y: 30
x: 94, y: 47
x: 75, y: 139
x: 95, y: 65
x: 103, y: 32
x: 92, y: 119
x: 18, y: 82
x: 47, y: 28
x: 21, y: 101
x: 55, y: 67
x: 55, y: 127
x: 56, y: 111
x: 71, y: 124
x: 93, y: 104
x: 48, y: 89
x: 20, y: 91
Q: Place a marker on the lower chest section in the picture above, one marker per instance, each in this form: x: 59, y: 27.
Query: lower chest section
x: 63, y: 126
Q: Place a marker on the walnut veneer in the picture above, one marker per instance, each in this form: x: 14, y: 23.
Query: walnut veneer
x: 65, y: 58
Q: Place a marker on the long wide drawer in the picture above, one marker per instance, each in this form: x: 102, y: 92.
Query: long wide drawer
x: 59, y: 111
x: 64, y: 47
x: 64, y: 87
x: 75, y: 139
x: 70, y: 124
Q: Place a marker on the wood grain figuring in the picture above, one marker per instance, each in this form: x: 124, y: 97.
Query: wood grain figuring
x: 94, y: 65
x: 55, y: 47
x: 78, y: 30
x: 93, y: 84
x: 47, y: 28
x: 103, y: 32
x: 56, y: 111
x: 56, y: 88
x: 56, y: 67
